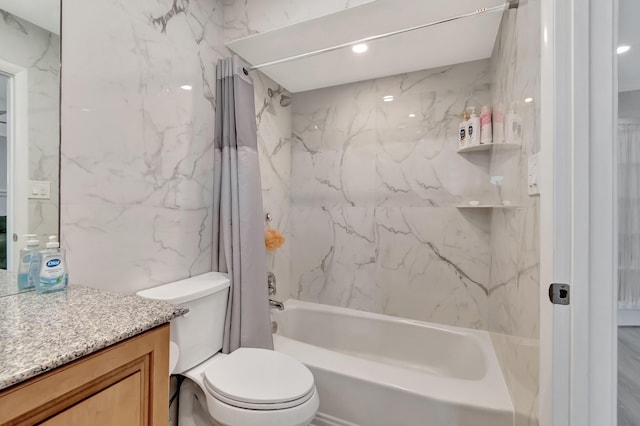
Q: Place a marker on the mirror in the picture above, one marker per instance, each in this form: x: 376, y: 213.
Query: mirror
x: 29, y: 127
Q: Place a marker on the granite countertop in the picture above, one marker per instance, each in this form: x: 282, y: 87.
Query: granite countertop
x: 39, y: 332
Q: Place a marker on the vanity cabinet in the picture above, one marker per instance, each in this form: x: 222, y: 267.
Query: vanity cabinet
x: 124, y: 384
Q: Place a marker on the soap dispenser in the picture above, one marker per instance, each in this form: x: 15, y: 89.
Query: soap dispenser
x: 462, y: 135
x: 53, y: 269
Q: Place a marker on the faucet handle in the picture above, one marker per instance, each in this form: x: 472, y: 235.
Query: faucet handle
x: 271, y: 282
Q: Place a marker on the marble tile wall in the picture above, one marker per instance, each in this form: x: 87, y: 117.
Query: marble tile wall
x: 273, y: 120
x: 514, y: 278
x: 137, y: 149
x: 373, y: 193
x: 38, y: 50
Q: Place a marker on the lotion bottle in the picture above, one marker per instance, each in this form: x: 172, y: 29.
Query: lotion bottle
x: 473, y: 129
x: 462, y: 134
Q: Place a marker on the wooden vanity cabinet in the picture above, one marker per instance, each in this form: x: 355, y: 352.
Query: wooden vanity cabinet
x: 124, y: 384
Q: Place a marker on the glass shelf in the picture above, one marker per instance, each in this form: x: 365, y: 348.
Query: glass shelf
x: 489, y: 147
x: 487, y: 206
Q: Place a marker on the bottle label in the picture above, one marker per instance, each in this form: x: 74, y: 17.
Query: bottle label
x: 462, y: 134
x: 52, y: 272
x: 470, y: 132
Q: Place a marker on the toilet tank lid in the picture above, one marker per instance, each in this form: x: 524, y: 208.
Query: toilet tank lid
x: 188, y: 289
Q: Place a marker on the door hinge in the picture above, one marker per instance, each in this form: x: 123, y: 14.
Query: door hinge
x: 559, y: 294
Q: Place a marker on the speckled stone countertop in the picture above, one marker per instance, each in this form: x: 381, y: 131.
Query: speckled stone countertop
x: 39, y: 332
x: 8, y: 283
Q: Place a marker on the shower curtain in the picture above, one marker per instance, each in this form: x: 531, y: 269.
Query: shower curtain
x: 629, y: 214
x: 238, y: 227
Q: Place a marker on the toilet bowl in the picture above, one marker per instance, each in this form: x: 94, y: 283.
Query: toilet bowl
x: 248, y: 387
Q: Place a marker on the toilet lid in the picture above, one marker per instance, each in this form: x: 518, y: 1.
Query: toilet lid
x: 259, y: 379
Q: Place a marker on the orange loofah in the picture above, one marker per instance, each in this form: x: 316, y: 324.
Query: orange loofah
x: 273, y: 239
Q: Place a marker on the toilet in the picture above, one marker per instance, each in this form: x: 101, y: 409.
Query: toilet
x: 248, y: 387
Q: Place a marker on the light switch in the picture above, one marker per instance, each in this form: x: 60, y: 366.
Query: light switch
x: 40, y: 189
x: 533, y: 175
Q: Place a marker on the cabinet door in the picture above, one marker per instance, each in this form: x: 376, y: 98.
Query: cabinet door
x: 124, y: 384
x: 120, y: 404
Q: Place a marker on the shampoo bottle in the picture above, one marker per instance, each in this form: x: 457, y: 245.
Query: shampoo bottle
x: 29, y: 262
x: 486, y: 130
x: 53, y: 269
x: 462, y: 135
x: 473, y: 130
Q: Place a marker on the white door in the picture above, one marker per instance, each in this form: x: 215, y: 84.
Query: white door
x: 17, y: 160
x: 578, y: 213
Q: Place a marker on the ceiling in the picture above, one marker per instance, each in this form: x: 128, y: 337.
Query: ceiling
x: 455, y: 42
x: 629, y: 62
x: 43, y: 13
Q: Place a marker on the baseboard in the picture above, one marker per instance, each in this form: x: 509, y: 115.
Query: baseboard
x: 322, y: 419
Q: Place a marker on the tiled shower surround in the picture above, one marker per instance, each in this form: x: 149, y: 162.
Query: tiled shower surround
x: 364, y: 190
x: 375, y: 186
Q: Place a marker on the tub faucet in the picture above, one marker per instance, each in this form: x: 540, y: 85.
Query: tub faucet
x: 276, y: 304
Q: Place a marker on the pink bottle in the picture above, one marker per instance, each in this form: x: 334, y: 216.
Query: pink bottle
x: 486, y: 132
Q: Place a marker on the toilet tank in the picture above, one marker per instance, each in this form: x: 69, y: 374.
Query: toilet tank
x: 197, y: 333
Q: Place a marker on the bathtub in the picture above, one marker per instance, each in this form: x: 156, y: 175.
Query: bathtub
x: 378, y: 370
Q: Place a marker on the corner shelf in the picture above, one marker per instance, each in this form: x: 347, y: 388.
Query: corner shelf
x: 487, y: 206
x: 489, y: 147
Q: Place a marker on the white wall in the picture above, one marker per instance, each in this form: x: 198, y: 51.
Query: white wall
x: 137, y: 152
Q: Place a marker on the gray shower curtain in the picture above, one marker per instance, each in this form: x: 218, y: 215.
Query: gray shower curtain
x: 238, y: 227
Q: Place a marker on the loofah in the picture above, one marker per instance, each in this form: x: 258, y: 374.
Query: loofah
x: 273, y: 239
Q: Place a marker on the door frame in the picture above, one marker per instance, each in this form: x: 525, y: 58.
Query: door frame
x: 578, y: 343
x: 17, y: 159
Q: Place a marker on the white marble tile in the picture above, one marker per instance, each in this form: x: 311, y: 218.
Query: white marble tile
x: 273, y: 120
x: 514, y: 283
x: 374, y: 225
x: 137, y: 154
x: 38, y: 50
x: 432, y: 264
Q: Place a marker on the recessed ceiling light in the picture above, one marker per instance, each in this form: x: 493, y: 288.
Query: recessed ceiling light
x: 622, y: 49
x: 387, y: 98
x: 360, y: 48
x: 412, y: 115
x: 186, y: 87
x: 528, y: 100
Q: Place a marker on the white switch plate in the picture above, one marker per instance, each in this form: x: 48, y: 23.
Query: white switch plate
x: 40, y: 189
x: 533, y: 175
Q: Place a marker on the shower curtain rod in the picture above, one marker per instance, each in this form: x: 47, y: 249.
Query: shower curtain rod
x: 510, y: 4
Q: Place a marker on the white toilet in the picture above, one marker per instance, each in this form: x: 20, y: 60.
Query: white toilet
x: 248, y: 387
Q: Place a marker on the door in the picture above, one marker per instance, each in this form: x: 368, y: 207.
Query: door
x: 578, y: 213
x: 17, y: 159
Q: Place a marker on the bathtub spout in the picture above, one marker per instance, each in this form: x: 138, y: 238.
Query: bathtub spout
x: 276, y: 304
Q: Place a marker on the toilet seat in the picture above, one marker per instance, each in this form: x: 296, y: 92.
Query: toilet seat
x: 259, y: 379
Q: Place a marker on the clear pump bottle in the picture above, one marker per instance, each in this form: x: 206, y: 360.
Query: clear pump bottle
x: 53, y: 269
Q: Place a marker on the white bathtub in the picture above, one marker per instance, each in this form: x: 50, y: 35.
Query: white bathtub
x: 378, y: 370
